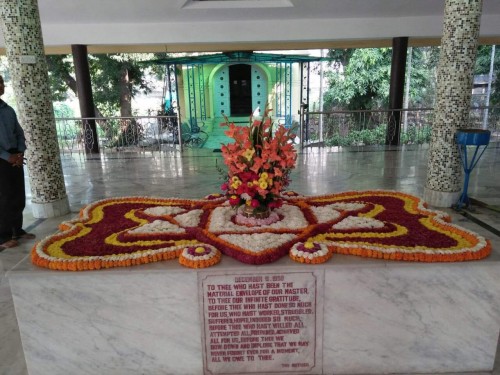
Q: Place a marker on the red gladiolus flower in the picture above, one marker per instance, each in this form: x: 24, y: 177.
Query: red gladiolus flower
x: 257, y: 150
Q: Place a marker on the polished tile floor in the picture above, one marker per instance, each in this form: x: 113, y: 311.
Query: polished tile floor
x: 194, y: 174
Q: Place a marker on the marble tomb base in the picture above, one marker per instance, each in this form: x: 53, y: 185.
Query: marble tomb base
x: 374, y: 317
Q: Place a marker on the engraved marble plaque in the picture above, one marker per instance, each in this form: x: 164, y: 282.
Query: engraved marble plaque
x: 262, y: 322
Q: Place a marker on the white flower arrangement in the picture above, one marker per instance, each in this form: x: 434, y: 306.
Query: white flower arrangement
x: 220, y: 221
x: 158, y: 226
x: 163, y: 210
x: 358, y: 222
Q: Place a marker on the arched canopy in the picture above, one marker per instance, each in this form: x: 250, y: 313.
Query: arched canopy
x: 196, y: 102
x: 237, y: 57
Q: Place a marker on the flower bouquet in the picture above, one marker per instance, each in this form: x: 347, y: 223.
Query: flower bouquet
x: 259, y: 163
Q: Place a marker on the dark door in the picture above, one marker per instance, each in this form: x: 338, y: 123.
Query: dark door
x: 240, y: 76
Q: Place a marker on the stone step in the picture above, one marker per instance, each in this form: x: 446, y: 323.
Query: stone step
x: 237, y: 120
x: 217, y: 136
x: 215, y: 142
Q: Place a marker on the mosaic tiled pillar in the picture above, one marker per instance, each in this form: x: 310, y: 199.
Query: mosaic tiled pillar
x: 24, y: 45
x: 454, y: 90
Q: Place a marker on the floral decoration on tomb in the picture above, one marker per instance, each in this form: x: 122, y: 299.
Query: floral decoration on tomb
x: 389, y: 225
x: 259, y: 162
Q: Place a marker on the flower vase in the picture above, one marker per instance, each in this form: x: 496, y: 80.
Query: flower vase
x: 261, y: 212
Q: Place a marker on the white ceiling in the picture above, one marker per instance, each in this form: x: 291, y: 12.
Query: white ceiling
x: 187, y: 24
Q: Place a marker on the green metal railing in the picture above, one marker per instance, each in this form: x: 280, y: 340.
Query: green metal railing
x: 329, y: 129
x: 370, y: 127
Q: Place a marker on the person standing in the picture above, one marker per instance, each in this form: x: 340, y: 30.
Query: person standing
x: 12, y: 193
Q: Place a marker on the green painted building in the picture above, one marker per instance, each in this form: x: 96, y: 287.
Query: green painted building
x: 206, y: 88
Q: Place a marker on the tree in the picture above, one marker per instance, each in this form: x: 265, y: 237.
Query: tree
x: 61, y: 77
x: 423, y: 77
x: 116, y: 79
x: 62, y: 110
x: 340, y: 57
x: 483, y: 61
x: 360, y: 78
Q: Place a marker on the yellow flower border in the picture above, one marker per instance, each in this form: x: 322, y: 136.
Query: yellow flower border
x: 48, y: 252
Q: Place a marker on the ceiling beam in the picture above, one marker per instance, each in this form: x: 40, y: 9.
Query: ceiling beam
x: 266, y: 46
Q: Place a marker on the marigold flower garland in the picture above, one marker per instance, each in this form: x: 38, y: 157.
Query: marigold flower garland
x: 122, y: 232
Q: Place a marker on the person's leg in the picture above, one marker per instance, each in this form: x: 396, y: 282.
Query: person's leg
x: 18, y: 204
x: 6, y: 197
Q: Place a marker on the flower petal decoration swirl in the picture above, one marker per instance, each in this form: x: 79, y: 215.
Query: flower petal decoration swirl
x: 129, y: 231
